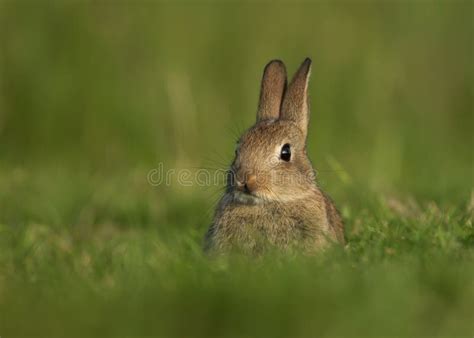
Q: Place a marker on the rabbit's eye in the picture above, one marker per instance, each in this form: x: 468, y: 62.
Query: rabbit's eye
x: 285, y: 153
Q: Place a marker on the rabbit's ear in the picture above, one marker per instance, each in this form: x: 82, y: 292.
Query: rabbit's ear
x: 272, y: 90
x: 295, y: 103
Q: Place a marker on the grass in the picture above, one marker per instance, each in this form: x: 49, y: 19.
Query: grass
x: 93, y: 96
x: 128, y: 266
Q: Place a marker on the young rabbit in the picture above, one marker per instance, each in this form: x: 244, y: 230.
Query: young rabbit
x: 271, y: 198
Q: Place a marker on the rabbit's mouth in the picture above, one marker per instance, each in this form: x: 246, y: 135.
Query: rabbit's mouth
x: 246, y: 198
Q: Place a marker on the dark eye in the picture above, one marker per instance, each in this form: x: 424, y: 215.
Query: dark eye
x: 285, y: 153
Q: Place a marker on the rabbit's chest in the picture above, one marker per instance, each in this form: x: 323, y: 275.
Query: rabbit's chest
x: 254, y: 228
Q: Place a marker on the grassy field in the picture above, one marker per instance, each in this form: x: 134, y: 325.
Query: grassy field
x: 95, y: 95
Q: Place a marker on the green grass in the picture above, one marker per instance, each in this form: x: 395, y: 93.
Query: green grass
x: 132, y: 266
x: 95, y: 95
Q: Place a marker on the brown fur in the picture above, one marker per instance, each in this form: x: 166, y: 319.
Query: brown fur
x: 270, y: 202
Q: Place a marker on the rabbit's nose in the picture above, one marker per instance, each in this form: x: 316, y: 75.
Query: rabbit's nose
x: 248, y: 184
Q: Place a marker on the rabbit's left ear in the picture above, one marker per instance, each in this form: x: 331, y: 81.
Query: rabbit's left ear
x: 272, y: 90
x: 295, y: 102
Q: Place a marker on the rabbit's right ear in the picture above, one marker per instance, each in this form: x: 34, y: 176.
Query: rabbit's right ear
x: 272, y: 91
x: 295, y: 104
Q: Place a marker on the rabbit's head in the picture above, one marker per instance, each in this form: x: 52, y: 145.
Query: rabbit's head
x: 270, y: 161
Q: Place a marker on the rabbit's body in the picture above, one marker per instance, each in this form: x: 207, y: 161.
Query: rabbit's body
x: 272, y: 199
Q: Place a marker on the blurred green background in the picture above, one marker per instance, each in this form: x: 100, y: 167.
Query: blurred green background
x: 112, y: 87
x: 95, y: 94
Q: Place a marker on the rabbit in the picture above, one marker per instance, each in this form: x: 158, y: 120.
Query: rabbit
x: 271, y: 198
